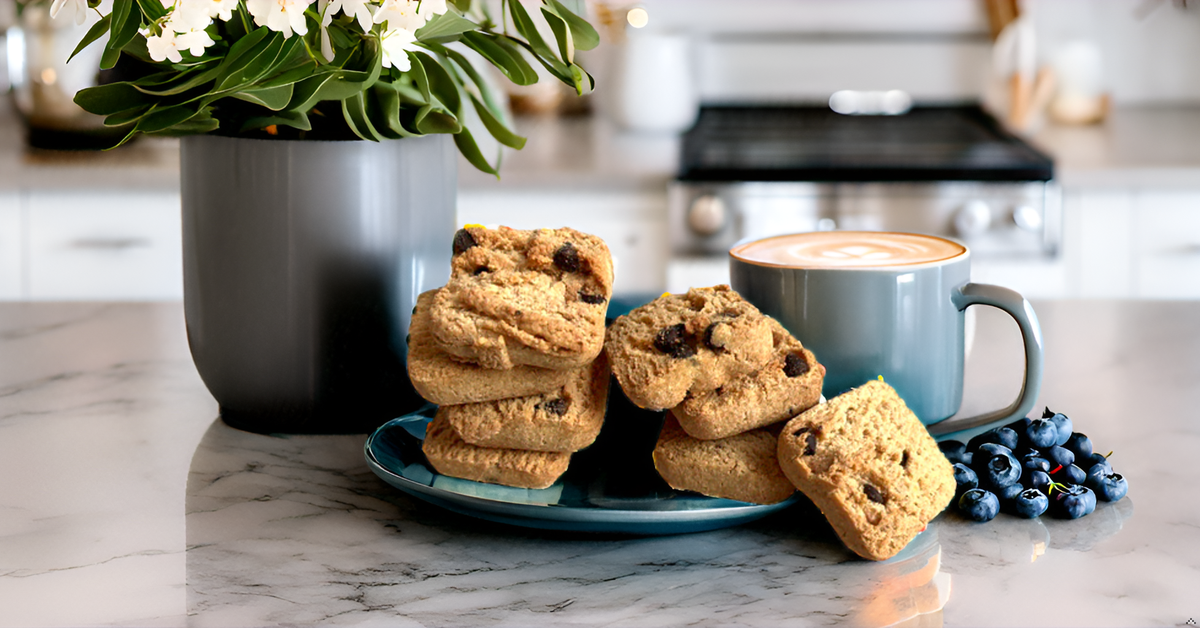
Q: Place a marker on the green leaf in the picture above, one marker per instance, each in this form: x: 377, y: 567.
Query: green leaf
x: 445, y: 27
x: 430, y: 120
x: 584, y: 35
x: 152, y: 9
x: 502, y: 133
x: 331, y: 83
x: 251, y: 44
x: 167, y: 117
x: 562, y: 35
x: 108, y: 99
x: 95, y: 32
x: 202, y: 122
x: 123, y: 26
x: 481, y: 83
x: 441, y: 84
x: 389, y: 101
x: 470, y: 150
x: 294, y: 119
x: 290, y: 77
x: 420, y: 78
x: 528, y: 29
x: 273, y: 98
x: 355, y: 112
x: 251, y: 65
x: 511, y: 63
x: 129, y: 116
x: 193, y: 80
x: 584, y: 83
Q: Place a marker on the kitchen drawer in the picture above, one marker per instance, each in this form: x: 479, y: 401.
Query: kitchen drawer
x: 104, y: 246
x: 1168, y: 245
x: 10, y: 246
x: 633, y: 225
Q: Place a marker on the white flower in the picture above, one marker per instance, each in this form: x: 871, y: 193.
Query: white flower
x: 400, y: 14
x: 163, y: 47
x: 395, y: 43
x: 356, y: 8
x: 194, y: 41
x: 430, y: 8
x: 284, y: 16
x: 220, y: 8
x: 77, y: 8
x: 189, y: 15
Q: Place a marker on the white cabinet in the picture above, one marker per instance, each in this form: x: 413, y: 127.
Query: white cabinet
x: 633, y: 225
x: 11, y: 246
x: 90, y: 245
x: 1167, y: 245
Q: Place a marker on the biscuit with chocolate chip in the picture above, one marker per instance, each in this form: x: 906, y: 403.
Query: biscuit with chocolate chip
x: 444, y: 380
x: 741, y: 467
x: 871, y: 467
x: 788, y: 384
x: 567, y: 419
x: 535, y: 298
x: 450, y: 455
x: 698, y: 341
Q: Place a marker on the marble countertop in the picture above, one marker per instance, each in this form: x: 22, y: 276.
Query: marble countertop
x: 126, y: 501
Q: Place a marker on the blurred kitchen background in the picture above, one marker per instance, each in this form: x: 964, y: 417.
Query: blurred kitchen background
x: 714, y: 121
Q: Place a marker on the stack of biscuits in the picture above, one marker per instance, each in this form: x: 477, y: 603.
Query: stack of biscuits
x: 729, y: 377
x: 511, y: 349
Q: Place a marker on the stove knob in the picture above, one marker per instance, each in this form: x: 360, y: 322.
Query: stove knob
x: 973, y: 219
x: 707, y: 215
x: 1027, y: 218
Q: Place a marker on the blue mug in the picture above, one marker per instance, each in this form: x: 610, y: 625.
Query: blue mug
x: 872, y: 304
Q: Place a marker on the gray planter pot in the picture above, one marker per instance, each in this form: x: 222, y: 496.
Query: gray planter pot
x: 302, y: 262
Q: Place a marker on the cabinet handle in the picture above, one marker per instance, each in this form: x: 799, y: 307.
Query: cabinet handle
x: 110, y: 244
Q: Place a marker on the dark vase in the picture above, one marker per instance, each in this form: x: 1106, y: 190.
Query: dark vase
x: 302, y: 262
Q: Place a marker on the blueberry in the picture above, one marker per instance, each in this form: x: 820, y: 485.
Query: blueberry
x: 1036, y: 479
x: 987, y: 450
x: 1019, y: 425
x: 1059, y: 457
x: 1089, y: 462
x: 967, y: 458
x: 1069, y: 474
x: 979, y: 504
x: 1062, y: 422
x: 1000, y: 436
x: 1035, y: 463
x: 1007, y: 495
x: 1042, y: 433
x: 1108, y: 486
x: 1080, y: 445
x: 1000, y: 470
x: 953, y: 450
x: 1071, y: 501
x: 964, y: 478
x: 1030, y: 503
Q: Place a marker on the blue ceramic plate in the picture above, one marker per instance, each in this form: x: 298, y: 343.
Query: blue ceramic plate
x: 604, y: 490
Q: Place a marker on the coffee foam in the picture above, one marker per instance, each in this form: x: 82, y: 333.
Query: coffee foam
x: 847, y: 249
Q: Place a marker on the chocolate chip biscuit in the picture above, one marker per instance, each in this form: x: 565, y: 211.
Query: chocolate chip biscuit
x: 787, y: 385
x: 871, y: 467
x: 742, y: 467
x: 567, y: 419
x: 677, y: 343
x: 444, y: 380
x: 535, y: 298
x: 451, y: 455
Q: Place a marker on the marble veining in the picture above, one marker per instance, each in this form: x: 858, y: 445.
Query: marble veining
x: 124, y: 500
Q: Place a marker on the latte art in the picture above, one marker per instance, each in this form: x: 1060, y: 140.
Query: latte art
x: 848, y: 249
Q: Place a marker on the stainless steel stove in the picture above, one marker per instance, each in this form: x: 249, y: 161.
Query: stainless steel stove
x: 754, y: 171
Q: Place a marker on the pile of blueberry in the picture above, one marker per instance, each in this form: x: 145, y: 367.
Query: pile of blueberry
x: 1029, y: 467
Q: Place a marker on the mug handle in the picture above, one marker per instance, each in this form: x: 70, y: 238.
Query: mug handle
x: 1031, y: 333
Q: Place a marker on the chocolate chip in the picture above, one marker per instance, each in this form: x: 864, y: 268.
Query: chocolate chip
x: 810, y: 440
x: 566, y: 258
x: 463, y: 240
x: 874, y: 494
x: 481, y: 270
x: 794, y: 365
x: 591, y: 299
x: 714, y: 339
x: 556, y: 406
x: 673, y: 342
x: 904, y: 460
